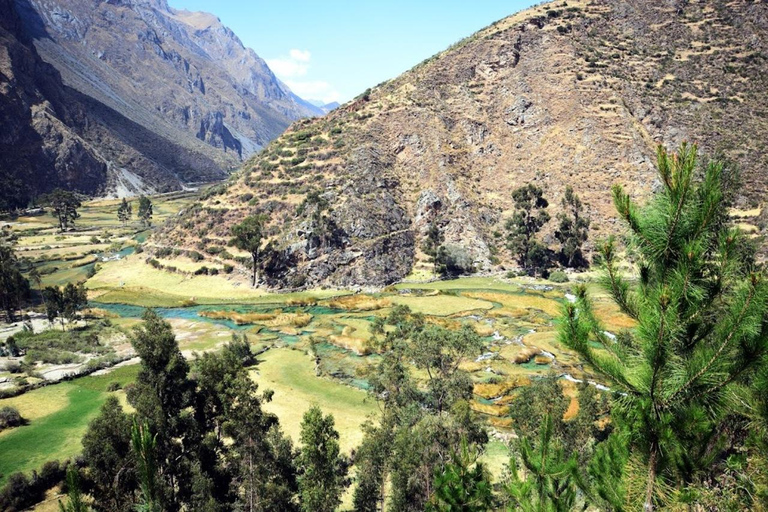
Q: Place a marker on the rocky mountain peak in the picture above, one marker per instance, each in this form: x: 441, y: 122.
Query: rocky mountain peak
x: 164, y: 97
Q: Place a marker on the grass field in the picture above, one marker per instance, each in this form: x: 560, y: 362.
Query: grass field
x: 58, y: 417
x: 290, y: 374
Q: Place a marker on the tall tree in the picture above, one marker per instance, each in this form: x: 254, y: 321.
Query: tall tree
x: 322, y: 468
x: 702, y: 323
x: 124, y: 211
x: 65, y: 205
x: 259, y: 457
x: 111, y: 463
x: 372, y: 460
x: 421, y: 421
x: 161, y: 396
x: 529, y: 217
x: 14, y: 287
x: 431, y: 247
x: 247, y: 236
x: 53, y: 299
x: 75, y: 298
x: 145, y: 211
x: 572, y: 230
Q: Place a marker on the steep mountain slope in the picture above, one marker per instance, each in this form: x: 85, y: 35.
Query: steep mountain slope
x: 155, y: 97
x: 575, y: 92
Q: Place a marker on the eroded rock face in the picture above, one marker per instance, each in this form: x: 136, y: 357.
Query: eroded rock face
x: 367, y: 239
x: 97, y: 91
x: 576, y: 94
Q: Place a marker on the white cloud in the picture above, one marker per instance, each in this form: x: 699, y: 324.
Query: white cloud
x: 300, y: 56
x: 295, y: 66
x: 314, y: 90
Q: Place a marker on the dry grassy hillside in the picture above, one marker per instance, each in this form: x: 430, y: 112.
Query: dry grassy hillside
x: 575, y: 92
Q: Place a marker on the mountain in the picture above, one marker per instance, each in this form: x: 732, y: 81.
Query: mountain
x: 126, y: 96
x: 325, y: 107
x: 577, y: 92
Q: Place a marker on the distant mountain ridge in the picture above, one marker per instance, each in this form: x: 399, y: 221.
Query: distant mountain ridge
x: 325, y: 107
x: 121, y: 97
x: 575, y: 92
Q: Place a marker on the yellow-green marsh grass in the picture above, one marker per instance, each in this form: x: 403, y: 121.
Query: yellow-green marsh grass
x: 465, y: 283
x: 199, y: 336
x: 132, y: 281
x: 519, y: 301
x: 441, y: 305
x: 187, y: 265
x: 358, y: 302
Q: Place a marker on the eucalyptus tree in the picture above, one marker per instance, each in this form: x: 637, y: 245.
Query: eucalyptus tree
x: 247, y: 236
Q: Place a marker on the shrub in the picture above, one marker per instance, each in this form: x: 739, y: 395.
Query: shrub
x: 10, y: 417
x: 195, y: 256
x: 558, y: 276
x: 228, y: 269
x: 114, y: 386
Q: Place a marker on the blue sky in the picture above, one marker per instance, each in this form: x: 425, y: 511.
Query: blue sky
x: 333, y: 50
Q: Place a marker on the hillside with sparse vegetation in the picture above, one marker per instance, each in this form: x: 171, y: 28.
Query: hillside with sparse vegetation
x: 573, y: 93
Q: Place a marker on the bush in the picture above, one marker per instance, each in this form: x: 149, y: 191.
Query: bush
x: 558, y: 276
x: 228, y: 269
x: 21, y: 491
x: 114, y: 386
x: 195, y: 256
x: 10, y: 417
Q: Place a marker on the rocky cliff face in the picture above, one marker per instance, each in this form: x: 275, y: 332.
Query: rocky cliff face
x: 121, y: 97
x: 577, y: 92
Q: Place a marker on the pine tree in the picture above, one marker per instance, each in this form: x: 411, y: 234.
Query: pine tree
x: 75, y: 495
x: 144, y: 446
x: 700, y: 307
x: 529, y: 217
x: 463, y: 485
x: 572, y: 230
x: 550, y: 480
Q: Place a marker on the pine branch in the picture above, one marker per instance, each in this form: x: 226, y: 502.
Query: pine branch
x: 667, y: 403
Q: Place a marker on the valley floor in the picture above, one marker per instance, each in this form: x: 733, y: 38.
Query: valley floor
x: 516, y: 318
